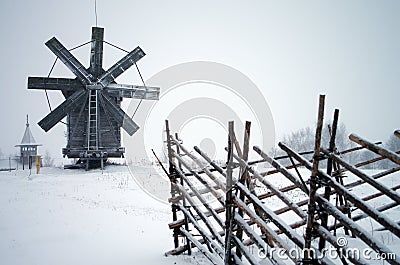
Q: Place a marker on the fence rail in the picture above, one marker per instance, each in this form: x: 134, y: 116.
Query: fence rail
x: 234, y: 214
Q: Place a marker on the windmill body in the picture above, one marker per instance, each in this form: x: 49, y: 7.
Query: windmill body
x: 92, y: 101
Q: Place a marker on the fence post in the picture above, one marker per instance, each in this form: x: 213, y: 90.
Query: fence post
x: 178, y: 151
x: 172, y: 175
x: 228, y: 199
x: 243, y: 179
x: 327, y: 193
x: 313, y: 182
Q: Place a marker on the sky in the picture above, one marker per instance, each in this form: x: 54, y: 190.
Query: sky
x: 292, y: 50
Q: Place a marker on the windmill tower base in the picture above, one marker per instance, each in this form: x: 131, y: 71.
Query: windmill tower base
x: 90, y: 160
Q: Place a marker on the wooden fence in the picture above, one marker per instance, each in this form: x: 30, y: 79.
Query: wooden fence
x: 243, y: 213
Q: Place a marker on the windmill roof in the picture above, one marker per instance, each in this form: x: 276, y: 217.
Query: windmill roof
x: 28, y: 139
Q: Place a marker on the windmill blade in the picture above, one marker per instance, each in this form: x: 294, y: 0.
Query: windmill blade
x: 61, y: 111
x: 132, y: 91
x: 119, y: 115
x: 121, y: 66
x: 96, y: 51
x: 53, y: 83
x: 70, y: 61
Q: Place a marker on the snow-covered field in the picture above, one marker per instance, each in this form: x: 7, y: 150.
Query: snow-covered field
x: 77, y: 217
x: 89, y: 217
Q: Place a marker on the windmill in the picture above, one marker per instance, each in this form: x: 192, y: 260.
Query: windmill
x: 92, y: 102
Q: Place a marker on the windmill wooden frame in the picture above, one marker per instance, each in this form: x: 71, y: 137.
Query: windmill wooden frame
x: 93, y: 101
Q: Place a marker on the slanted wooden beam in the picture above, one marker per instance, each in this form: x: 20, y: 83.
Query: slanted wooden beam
x: 376, y: 215
x: 391, y: 194
x: 397, y: 133
x: 375, y: 148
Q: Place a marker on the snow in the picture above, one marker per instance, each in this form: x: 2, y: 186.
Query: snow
x: 89, y: 217
x: 78, y: 217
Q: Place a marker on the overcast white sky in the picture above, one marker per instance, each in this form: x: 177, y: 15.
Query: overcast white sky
x: 292, y: 50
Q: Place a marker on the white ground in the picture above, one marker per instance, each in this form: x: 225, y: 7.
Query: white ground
x: 77, y: 217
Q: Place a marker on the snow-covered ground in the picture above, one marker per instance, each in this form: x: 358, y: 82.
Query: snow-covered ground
x: 77, y: 217
x: 89, y: 217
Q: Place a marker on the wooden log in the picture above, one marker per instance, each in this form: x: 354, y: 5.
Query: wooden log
x: 182, y: 249
x: 291, y: 234
x: 293, y: 206
x: 356, y: 218
x: 205, y: 190
x: 357, y: 148
x: 376, y: 149
x: 180, y: 222
x: 243, y: 178
x: 360, y: 232
x: 209, y: 161
x: 292, y: 178
x: 397, y: 133
x: 254, y: 237
x: 208, y: 239
x: 281, y: 169
x: 250, y: 232
x: 200, y: 213
x: 391, y: 194
x: 161, y: 164
x: 379, y: 194
x: 314, y: 176
x: 274, y: 171
x: 173, y: 181
x: 372, y: 160
x: 327, y: 192
x: 383, y: 220
x: 234, y: 140
x: 263, y: 225
x: 198, y: 162
x: 310, y: 152
x: 364, y: 215
x: 326, y: 234
x: 271, y: 194
x: 292, y: 187
x: 376, y: 176
x: 242, y: 249
x: 203, y: 250
x: 202, y: 200
x: 228, y: 199
x: 214, y: 192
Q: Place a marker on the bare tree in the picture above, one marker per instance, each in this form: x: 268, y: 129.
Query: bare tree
x: 48, y: 160
x: 303, y: 140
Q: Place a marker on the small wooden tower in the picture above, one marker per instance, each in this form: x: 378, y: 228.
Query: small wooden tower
x: 28, y: 146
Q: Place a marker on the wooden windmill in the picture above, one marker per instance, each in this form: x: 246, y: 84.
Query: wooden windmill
x: 92, y: 102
